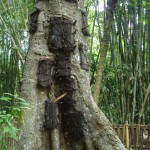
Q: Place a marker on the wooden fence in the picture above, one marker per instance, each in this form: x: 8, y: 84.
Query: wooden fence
x: 134, y: 137
x: 7, y: 143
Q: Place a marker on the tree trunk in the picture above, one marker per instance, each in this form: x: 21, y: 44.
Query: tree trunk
x: 141, y: 112
x: 104, y: 48
x: 81, y: 124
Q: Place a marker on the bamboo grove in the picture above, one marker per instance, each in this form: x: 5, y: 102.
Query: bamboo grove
x: 127, y: 67
x: 124, y: 94
x: 13, y: 43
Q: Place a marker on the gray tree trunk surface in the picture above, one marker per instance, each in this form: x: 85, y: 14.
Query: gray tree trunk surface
x: 97, y: 133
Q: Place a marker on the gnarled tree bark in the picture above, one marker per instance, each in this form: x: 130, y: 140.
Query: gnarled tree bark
x: 97, y: 133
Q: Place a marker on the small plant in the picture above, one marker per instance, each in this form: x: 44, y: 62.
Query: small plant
x: 12, y: 110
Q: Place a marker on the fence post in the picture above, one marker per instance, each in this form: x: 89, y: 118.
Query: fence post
x: 137, y: 135
x: 127, y: 134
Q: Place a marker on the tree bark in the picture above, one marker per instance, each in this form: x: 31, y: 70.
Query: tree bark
x: 104, y: 48
x: 97, y: 133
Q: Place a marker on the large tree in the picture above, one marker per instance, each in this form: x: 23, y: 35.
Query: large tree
x: 56, y: 68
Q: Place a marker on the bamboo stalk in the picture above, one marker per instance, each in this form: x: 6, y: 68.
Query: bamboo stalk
x: 143, y: 104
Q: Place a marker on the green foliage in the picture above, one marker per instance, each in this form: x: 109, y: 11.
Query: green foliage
x: 13, y: 48
x: 12, y: 110
x: 7, y: 126
x: 13, y: 42
x: 14, y: 37
x: 13, y: 105
x: 127, y: 68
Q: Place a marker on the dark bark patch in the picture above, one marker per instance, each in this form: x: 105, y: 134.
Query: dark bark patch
x: 45, y: 73
x: 51, y: 115
x: 61, y: 35
x: 85, y: 30
x: 72, y: 122
x: 83, y: 58
x: 67, y: 85
x: 64, y: 80
x: 34, y: 21
x: 62, y: 68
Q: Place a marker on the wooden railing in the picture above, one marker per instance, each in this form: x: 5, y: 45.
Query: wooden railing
x: 7, y: 143
x: 134, y: 137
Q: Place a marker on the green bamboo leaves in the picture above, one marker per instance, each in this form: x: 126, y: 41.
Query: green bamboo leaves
x: 13, y: 42
x: 126, y: 72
